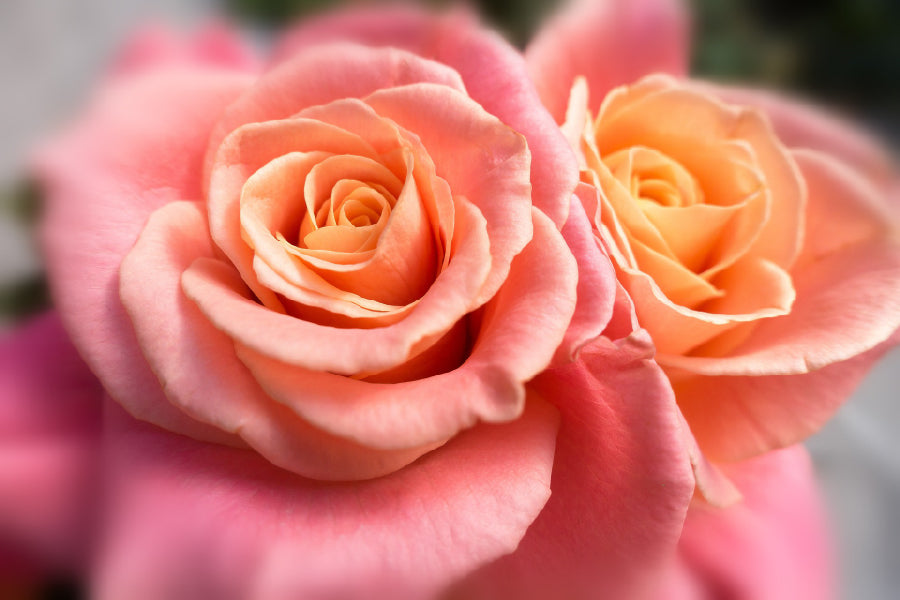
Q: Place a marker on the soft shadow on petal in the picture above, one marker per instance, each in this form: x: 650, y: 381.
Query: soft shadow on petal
x: 193, y: 520
x: 49, y: 447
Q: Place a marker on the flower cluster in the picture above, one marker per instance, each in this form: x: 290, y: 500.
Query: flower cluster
x: 401, y: 312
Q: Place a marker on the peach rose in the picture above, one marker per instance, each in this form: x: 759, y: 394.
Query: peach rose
x: 336, y: 279
x: 752, y: 233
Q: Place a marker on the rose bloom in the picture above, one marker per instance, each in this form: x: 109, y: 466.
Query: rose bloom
x: 317, y: 296
x: 755, y: 238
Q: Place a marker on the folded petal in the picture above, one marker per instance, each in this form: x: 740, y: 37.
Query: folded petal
x: 771, y: 546
x: 49, y: 438
x: 610, y: 43
x: 193, y: 520
x: 140, y: 148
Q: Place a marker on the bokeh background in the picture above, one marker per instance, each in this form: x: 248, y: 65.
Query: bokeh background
x: 845, y: 54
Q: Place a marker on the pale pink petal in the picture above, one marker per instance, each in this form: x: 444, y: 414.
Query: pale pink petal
x: 192, y: 520
x: 774, y: 545
x: 621, y: 483
x: 200, y: 372
x: 493, y: 72
x: 518, y: 333
x: 49, y: 436
x: 140, y: 147
x: 156, y: 45
x: 610, y: 43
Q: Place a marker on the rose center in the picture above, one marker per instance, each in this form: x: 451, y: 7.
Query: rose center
x: 652, y: 177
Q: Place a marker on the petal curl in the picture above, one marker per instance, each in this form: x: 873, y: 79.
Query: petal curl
x: 191, y: 520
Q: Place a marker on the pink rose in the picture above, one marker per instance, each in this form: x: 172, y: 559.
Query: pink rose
x: 337, y: 279
x: 753, y: 233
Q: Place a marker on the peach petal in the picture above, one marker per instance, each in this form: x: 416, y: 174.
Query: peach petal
x: 199, y: 370
x: 100, y: 189
x: 49, y: 446
x: 520, y: 331
x: 828, y: 323
x: 844, y: 208
x: 494, y: 73
x: 800, y: 124
x: 495, y: 176
x: 320, y: 75
x: 223, y: 298
x: 680, y: 285
x: 622, y: 123
x: 244, y: 152
x: 644, y: 36
x: 223, y: 523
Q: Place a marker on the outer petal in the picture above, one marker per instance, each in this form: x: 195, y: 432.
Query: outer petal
x: 101, y: 188
x: 802, y: 125
x: 49, y: 430
x: 217, y: 44
x: 734, y: 418
x: 610, y: 43
x: 621, y: 482
x: 493, y: 72
x: 772, y: 546
x: 192, y: 520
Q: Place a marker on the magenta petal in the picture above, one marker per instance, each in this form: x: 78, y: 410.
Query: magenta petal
x: 192, y: 520
x: 610, y: 43
x: 49, y: 428
x: 621, y: 483
x: 772, y: 546
x: 493, y: 72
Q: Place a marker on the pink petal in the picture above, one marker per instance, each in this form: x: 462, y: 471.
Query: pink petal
x: 493, y: 72
x: 610, y: 43
x: 215, y: 45
x: 192, y: 520
x: 772, y: 546
x: 140, y: 147
x: 621, y: 481
x: 596, y: 285
x: 200, y: 372
x: 49, y: 429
